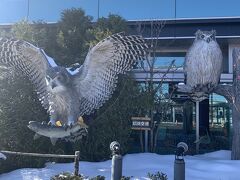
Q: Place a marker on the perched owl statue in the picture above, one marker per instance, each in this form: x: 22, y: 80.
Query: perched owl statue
x: 203, y: 66
x: 67, y: 95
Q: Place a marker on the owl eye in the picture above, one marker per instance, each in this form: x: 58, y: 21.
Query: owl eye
x: 60, y: 78
x: 202, y: 36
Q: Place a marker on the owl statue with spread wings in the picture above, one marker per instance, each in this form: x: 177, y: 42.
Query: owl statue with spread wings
x: 67, y: 95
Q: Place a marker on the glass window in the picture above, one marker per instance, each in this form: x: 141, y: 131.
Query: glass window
x: 219, y: 112
x: 164, y: 60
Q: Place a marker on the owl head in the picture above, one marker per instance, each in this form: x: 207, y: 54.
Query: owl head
x: 207, y: 36
x: 61, y: 78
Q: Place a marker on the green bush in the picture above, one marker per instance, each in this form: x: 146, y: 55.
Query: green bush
x: 66, y: 176
x: 99, y: 177
x: 157, y: 176
x: 112, y: 122
x: 125, y: 178
x: 69, y: 176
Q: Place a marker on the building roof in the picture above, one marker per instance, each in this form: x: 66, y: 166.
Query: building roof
x: 180, y: 28
x: 185, y: 28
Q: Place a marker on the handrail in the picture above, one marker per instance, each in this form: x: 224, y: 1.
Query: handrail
x: 75, y: 157
x: 39, y: 155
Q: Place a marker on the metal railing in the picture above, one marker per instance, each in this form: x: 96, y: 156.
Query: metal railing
x: 75, y: 157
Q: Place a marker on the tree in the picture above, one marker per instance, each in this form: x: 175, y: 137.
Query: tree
x: 72, y: 37
x: 23, y: 30
x: 105, y: 27
x: 20, y: 105
x: 114, y: 23
x: 231, y: 93
x: 112, y: 122
x: 154, y: 99
x: 37, y: 33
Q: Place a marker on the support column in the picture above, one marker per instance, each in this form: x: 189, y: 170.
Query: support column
x: 173, y: 113
x: 146, y: 141
x: 197, y: 127
x: 187, y: 117
x: 204, y: 117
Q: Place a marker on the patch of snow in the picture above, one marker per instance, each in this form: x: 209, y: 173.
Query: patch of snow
x: 52, y: 63
x: 50, y: 60
x: 2, y: 156
x: 74, y: 71
x: 211, y: 166
x: 220, y: 155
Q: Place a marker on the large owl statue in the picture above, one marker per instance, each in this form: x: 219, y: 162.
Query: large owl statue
x: 68, y: 95
x: 203, y: 66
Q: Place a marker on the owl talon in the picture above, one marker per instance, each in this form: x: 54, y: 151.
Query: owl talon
x: 65, y: 126
x: 50, y: 123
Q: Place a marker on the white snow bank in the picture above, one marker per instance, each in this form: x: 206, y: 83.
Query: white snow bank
x: 50, y: 60
x: 73, y: 72
x: 52, y: 63
x: 2, y: 156
x: 210, y: 166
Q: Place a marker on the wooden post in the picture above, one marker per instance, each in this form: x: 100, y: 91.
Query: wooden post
x: 76, y: 163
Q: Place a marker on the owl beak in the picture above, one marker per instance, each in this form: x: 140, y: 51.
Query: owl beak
x: 208, y: 40
x: 53, y: 85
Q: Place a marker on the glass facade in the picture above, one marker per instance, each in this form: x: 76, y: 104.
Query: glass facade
x: 219, y: 112
x: 174, y: 112
x: 164, y: 60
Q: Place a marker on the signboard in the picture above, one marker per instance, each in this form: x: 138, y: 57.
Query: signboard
x: 141, y: 123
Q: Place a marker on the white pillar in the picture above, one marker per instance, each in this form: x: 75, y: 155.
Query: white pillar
x: 146, y: 141
x: 173, y: 113
x: 197, y: 127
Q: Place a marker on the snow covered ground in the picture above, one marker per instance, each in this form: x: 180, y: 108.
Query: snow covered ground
x: 210, y: 166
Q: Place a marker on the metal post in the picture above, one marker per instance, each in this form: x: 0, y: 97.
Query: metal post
x: 179, y: 169
x: 179, y: 163
x: 146, y: 141
x: 28, y: 7
x: 76, y: 163
x: 197, y: 127
x: 116, y: 172
x: 116, y: 167
x: 98, y: 9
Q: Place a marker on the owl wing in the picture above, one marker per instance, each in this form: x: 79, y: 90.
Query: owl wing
x: 31, y: 61
x: 97, y: 78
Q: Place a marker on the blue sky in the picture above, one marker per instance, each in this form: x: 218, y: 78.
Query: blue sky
x: 49, y: 10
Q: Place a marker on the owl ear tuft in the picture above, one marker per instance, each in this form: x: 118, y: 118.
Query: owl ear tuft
x: 214, y: 32
x: 198, y: 33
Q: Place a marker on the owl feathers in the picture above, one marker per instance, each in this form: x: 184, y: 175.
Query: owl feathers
x: 67, y: 96
x: 203, y: 65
